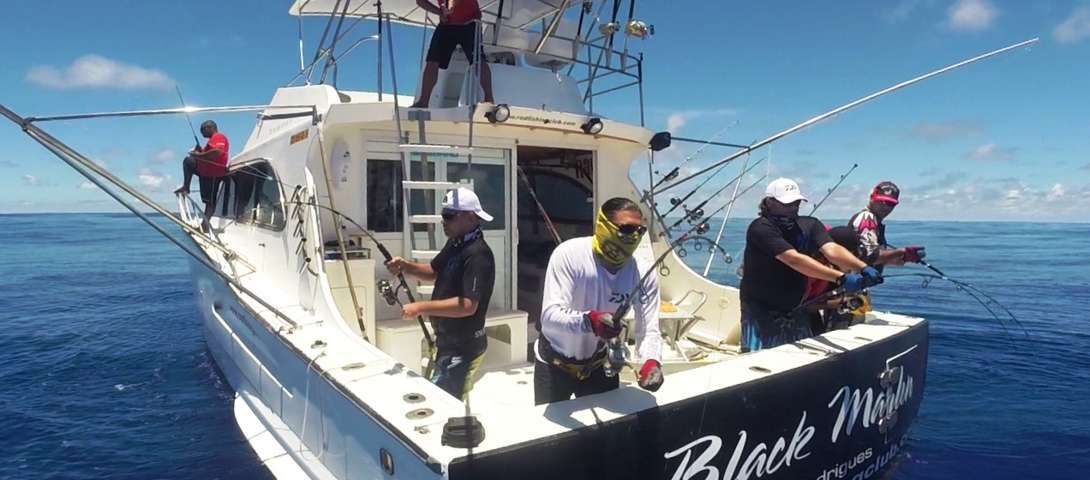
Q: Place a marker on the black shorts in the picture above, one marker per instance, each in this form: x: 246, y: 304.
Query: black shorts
x: 209, y: 188
x: 446, y: 37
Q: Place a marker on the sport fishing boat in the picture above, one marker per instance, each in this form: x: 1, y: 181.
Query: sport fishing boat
x: 303, y: 320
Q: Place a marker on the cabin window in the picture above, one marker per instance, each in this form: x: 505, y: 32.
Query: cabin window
x: 490, y: 185
x: 252, y: 194
x: 384, y: 194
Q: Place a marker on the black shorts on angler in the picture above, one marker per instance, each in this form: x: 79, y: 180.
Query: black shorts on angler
x: 447, y: 37
x: 209, y: 188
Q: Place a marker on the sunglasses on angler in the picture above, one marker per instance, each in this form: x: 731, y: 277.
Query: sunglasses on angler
x: 631, y: 229
x: 449, y: 215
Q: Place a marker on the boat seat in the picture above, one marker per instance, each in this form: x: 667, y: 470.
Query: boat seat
x: 677, y: 318
x: 506, y: 330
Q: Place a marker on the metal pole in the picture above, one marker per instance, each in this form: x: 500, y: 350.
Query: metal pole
x: 85, y: 167
x: 552, y: 26
x: 301, y: 63
x: 378, y: 7
x: 726, y: 216
x: 338, y: 226
x: 639, y: 72
x: 846, y: 107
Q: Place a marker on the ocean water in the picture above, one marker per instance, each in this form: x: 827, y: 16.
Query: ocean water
x: 104, y: 372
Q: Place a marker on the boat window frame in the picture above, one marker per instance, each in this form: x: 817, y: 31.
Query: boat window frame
x: 251, y: 219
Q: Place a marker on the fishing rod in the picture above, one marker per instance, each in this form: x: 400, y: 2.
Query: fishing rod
x: 387, y: 256
x: 975, y: 293
x: 730, y: 204
x: 846, y: 107
x: 831, y: 190
x: 675, y: 202
x: 674, y: 172
x: 188, y: 120
x: 698, y: 211
x: 615, y: 349
x: 723, y: 224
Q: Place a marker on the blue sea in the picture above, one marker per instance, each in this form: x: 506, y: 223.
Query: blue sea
x: 104, y: 371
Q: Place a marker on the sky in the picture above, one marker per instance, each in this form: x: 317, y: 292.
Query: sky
x: 1006, y: 139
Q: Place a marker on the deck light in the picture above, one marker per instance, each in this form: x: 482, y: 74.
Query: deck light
x: 498, y: 114
x: 660, y: 141
x: 593, y: 126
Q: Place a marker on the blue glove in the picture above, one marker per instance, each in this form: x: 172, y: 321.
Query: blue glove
x: 872, y: 275
x: 852, y: 282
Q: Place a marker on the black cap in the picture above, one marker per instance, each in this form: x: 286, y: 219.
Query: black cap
x: 209, y: 123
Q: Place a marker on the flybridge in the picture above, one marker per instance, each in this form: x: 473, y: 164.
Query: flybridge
x: 590, y: 46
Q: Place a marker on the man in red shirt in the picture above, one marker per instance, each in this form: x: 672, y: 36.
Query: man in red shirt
x: 210, y: 165
x: 457, y: 26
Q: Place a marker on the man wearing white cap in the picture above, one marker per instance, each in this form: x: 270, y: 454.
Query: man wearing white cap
x: 778, y: 258
x: 464, y: 271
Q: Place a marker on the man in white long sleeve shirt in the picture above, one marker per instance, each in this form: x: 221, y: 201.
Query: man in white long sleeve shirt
x: 588, y: 278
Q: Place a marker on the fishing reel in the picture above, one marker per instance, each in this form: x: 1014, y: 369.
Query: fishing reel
x: 639, y: 29
x: 388, y: 292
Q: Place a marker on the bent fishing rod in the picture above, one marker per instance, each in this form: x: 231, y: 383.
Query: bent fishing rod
x: 402, y: 283
x: 830, y: 191
x: 843, y: 108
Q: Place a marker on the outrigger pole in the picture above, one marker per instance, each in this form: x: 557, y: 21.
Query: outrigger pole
x: 845, y: 107
x: 93, y: 172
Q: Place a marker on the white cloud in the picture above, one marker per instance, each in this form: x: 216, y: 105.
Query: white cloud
x: 31, y: 181
x: 1056, y: 192
x: 86, y: 185
x: 8, y: 164
x: 675, y: 121
x: 163, y: 156
x: 94, y: 71
x: 939, y: 132
x: 151, y: 180
x: 1075, y: 28
x: 971, y: 15
x: 991, y: 152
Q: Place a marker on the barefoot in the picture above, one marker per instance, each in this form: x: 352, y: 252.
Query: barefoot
x: 181, y: 190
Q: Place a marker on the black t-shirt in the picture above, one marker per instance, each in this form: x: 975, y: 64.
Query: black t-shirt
x: 464, y: 268
x: 770, y: 282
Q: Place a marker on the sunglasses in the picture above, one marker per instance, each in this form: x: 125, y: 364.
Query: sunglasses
x: 629, y: 229
x: 449, y: 215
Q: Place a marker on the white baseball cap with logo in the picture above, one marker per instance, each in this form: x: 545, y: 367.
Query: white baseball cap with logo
x: 784, y: 190
x: 464, y: 200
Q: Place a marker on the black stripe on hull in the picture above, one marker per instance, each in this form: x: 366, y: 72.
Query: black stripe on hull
x: 819, y: 421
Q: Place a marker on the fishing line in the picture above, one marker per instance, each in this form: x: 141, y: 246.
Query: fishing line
x: 980, y: 296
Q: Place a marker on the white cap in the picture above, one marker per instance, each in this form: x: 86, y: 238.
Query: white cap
x: 464, y: 200
x: 784, y: 190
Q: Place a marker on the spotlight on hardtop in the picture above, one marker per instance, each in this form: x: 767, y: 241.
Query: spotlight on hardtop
x: 498, y: 114
x: 593, y: 126
x: 660, y: 141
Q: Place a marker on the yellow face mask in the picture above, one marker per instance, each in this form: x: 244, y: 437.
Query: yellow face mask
x: 610, y: 245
